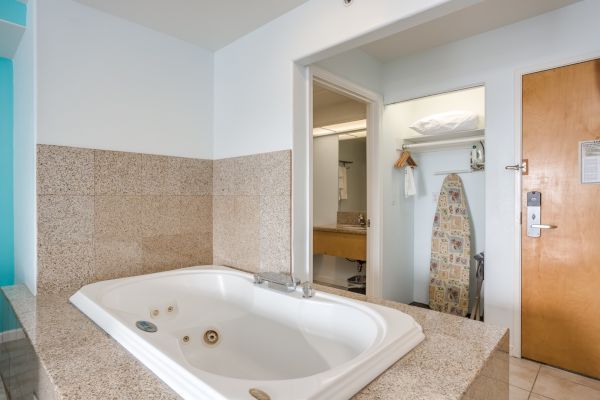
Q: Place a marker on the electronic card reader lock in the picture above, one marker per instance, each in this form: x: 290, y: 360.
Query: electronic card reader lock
x: 534, y: 215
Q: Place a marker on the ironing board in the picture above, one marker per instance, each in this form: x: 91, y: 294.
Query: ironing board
x: 450, y: 250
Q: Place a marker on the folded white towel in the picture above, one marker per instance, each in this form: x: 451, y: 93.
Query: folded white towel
x: 342, y: 183
x: 410, y: 189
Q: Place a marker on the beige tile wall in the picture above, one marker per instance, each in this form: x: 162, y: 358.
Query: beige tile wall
x: 106, y: 214
x: 252, y: 212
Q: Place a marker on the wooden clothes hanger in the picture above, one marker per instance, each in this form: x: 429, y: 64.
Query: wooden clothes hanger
x: 405, y: 160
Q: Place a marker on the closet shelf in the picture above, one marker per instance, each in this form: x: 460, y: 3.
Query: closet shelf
x: 446, y: 140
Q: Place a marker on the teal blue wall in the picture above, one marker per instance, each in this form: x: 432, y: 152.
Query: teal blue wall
x: 13, y: 11
x: 7, y: 269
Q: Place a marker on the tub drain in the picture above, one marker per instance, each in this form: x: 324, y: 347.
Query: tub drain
x: 146, y: 326
x: 211, y: 337
x: 259, y: 394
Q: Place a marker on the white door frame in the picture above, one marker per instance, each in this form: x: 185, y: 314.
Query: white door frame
x: 374, y: 103
x: 543, y: 66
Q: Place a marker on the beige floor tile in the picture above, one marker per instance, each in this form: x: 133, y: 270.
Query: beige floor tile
x: 556, y: 388
x: 523, y: 373
x: 515, y: 393
x: 582, y: 380
x: 535, y: 396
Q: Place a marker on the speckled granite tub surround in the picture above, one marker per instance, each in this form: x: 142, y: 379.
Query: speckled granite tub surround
x: 252, y: 212
x: 459, y: 358
x: 108, y: 214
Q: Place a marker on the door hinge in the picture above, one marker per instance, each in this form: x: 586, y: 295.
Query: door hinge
x: 368, y: 222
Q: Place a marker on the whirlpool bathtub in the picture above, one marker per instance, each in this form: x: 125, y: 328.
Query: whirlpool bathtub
x: 210, y: 333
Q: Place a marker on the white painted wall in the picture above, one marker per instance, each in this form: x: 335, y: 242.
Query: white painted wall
x: 357, y: 66
x: 106, y: 83
x: 254, y: 76
x: 494, y: 59
x: 25, y: 124
x: 325, y: 180
x: 355, y: 150
x: 398, y: 215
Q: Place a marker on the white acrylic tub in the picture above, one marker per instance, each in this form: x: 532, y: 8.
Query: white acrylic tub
x: 325, y: 347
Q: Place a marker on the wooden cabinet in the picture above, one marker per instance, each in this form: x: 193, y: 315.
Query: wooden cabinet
x: 340, y: 244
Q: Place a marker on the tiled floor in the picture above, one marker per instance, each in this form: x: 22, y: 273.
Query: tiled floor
x: 2, y: 391
x: 532, y: 381
x: 18, y: 367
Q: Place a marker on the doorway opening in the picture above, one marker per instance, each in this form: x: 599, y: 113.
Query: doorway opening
x: 344, y: 188
x: 559, y: 191
x: 339, y: 190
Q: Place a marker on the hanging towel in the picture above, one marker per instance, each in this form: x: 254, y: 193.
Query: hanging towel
x: 342, y: 183
x: 410, y: 189
x: 449, y: 267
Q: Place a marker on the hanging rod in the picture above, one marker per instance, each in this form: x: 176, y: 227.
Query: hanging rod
x: 461, y: 171
x: 472, y: 139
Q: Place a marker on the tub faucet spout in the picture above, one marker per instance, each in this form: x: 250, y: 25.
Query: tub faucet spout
x: 307, y: 290
x: 277, y: 280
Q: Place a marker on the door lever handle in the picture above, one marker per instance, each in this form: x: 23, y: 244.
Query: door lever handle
x: 543, y: 226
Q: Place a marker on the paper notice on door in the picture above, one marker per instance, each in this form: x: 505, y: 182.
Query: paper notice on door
x: 590, y: 161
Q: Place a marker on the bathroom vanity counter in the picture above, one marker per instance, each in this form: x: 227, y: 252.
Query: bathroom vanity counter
x: 459, y: 358
x: 351, y: 229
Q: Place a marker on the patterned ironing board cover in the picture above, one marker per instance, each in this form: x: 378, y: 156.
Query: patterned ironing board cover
x: 450, y: 250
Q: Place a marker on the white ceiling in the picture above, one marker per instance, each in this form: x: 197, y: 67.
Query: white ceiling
x: 331, y: 107
x: 211, y: 24
x: 324, y: 97
x: 482, y: 17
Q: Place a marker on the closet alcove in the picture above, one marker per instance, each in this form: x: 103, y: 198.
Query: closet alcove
x: 413, y: 207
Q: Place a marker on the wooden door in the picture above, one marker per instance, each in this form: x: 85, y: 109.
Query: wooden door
x: 561, y: 269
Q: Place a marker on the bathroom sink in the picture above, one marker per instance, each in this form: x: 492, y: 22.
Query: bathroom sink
x: 210, y: 333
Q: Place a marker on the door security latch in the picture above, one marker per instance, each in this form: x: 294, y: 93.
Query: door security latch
x: 523, y: 167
